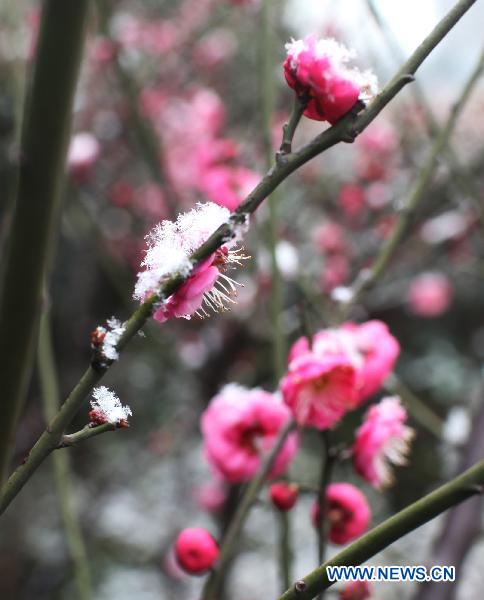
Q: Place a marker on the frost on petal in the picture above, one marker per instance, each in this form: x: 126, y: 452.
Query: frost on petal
x: 319, y: 70
x: 170, y: 245
x: 107, y: 406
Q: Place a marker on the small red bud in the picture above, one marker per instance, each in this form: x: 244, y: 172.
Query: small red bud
x: 284, y: 495
x: 196, y: 550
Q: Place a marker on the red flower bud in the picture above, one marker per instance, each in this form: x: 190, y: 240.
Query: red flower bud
x: 196, y: 550
x: 284, y: 495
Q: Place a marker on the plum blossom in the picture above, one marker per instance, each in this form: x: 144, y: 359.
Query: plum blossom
x: 347, y: 511
x: 196, y: 550
x: 107, y: 408
x: 239, y: 426
x: 383, y: 439
x: 318, y: 70
x: 369, y: 348
x: 319, y: 390
x: 429, y: 295
x: 170, y: 245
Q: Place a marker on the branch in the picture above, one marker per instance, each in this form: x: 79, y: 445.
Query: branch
x: 454, y: 492
x: 85, y: 433
x: 35, y: 223
x: 62, y: 467
x: 232, y: 535
x: 368, y: 277
x: 345, y: 130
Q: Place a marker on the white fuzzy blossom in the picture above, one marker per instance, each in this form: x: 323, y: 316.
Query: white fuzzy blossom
x: 171, y: 243
x: 109, y: 406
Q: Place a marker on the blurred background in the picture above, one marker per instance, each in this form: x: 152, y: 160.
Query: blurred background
x: 168, y: 113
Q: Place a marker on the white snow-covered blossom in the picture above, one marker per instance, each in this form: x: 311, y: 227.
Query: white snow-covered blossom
x: 171, y: 243
x: 108, y: 407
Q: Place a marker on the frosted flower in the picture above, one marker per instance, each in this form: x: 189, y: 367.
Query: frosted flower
x: 107, y: 408
x: 170, y: 245
x: 382, y: 440
x: 319, y: 71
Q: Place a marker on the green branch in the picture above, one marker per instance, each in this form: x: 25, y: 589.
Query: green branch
x: 62, y: 467
x: 345, y: 130
x: 234, y: 530
x: 35, y: 222
x: 461, y: 488
x: 368, y: 277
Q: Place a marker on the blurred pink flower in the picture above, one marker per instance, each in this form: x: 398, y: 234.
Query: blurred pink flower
x: 82, y: 154
x: 429, y: 295
x: 335, y: 272
x: 319, y: 390
x: 215, y: 48
x: 330, y: 237
x: 211, y: 495
x: 382, y: 439
x: 352, y: 200
x: 347, y: 511
x: 377, y: 147
x: 241, y: 425
x: 317, y: 68
x: 355, y: 590
x: 228, y: 186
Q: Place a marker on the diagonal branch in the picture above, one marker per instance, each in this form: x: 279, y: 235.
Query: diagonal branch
x: 345, y: 130
x: 454, y: 492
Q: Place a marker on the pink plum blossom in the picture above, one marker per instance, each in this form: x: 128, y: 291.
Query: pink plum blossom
x: 429, y: 295
x: 382, y: 439
x: 170, y: 246
x: 319, y: 390
x: 318, y: 70
x: 352, y: 200
x: 330, y: 237
x: 239, y: 426
x: 347, y: 511
x: 211, y: 495
x: 369, y: 348
x: 228, y: 186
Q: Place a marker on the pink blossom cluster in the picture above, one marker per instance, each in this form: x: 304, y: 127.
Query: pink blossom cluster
x: 198, y: 158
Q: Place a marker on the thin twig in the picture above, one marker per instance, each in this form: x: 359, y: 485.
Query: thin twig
x: 368, y: 277
x: 345, y: 130
x: 61, y: 461
x: 232, y: 535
